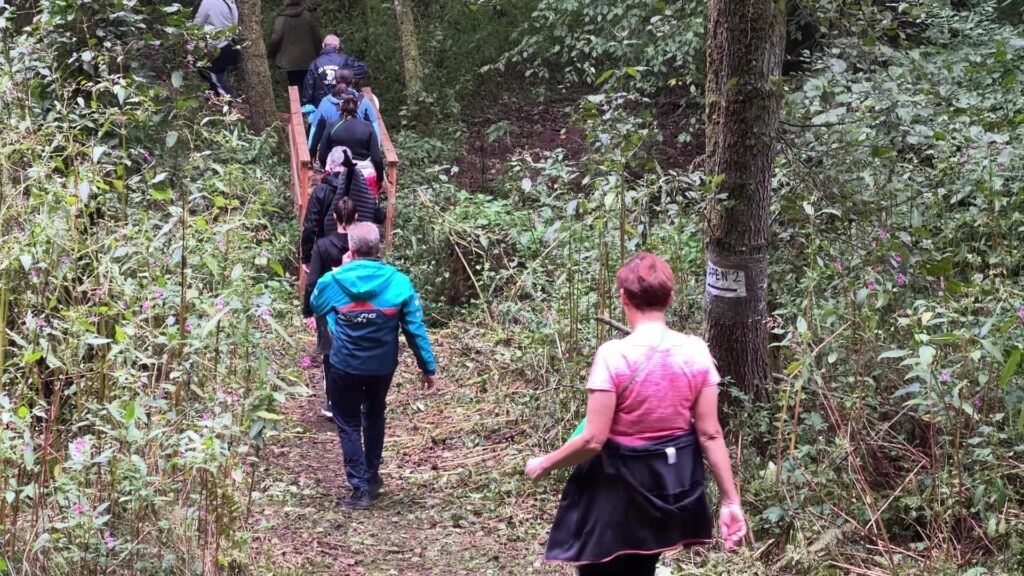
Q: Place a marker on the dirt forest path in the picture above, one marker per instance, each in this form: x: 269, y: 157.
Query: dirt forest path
x: 454, y: 501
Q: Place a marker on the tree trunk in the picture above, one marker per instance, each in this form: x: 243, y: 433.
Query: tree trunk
x: 410, y: 51
x: 259, y: 93
x: 744, y: 62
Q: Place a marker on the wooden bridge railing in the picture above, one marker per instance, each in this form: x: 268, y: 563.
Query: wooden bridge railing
x: 301, y: 165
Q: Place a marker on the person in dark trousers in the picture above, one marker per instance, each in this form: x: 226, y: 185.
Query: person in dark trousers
x: 328, y: 254
x: 338, y: 182
x: 350, y: 132
x: 220, y: 15
x: 637, y: 488
x: 366, y: 302
x: 321, y: 75
x: 295, y: 42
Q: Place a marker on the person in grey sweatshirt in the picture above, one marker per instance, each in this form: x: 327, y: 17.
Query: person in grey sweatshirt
x: 216, y: 15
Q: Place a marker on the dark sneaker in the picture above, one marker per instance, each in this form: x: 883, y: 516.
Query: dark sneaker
x: 358, y: 500
x: 375, y: 488
x: 326, y: 411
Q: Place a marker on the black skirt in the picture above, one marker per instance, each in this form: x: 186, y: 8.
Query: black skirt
x: 632, y: 499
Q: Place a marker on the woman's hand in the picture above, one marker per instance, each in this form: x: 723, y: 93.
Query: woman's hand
x: 311, y: 324
x: 732, y: 524
x: 536, y: 469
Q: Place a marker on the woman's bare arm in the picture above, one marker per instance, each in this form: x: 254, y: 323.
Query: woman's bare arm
x: 600, y: 411
x: 709, y: 433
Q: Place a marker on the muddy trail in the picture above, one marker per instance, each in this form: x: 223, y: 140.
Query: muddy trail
x: 454, y: 500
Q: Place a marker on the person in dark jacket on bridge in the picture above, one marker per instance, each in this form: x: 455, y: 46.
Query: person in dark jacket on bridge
x: 328, y: 253
x: 355, y: 134
x: 338, y: 182
x: 295, y: 42
x: 329, y: 107
x: 321, y: 75
x: 366, y: 303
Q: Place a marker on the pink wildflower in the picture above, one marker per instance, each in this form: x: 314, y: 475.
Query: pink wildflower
x: 944, y: 376
x: 34, y: 273
x: 976, y: 402
x: 901, y: 279
x: 206, y: 416
x: 882, y: 234
x: 202, y: 512
x: 146, y: 306
x: 1020, y: 313
x: 108, y: 540
x: 871, y: 285
x: 188, y: 327
x: 78, y: 447
x: 307, y: 362
x: 265, y: 313
x: 78, y: 509
x: 897, y: 258
x: 265, y: 253
x: 839, y: 266
x: 158, y: 294
x: 219, y: 303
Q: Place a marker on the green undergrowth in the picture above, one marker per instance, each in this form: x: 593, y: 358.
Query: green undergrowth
x: 893, y: 440
x: 143, y: 298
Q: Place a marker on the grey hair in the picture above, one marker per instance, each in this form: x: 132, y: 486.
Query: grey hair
x: 332, y: 40
x: 364, y: 240
x: 336, y: 160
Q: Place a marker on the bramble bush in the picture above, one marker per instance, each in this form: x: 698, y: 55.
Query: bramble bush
x: 140, y: 295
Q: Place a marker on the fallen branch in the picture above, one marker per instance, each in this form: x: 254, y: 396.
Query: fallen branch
x: 616, y: 325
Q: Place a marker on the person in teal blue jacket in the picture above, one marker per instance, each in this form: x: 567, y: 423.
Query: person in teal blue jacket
x: 366, y: 303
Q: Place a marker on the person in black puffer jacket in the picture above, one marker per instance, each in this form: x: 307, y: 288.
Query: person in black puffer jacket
x: 320, y: 76
x: 342, y: 179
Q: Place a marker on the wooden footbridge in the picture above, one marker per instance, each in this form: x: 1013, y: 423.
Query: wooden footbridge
x: 302, y: 169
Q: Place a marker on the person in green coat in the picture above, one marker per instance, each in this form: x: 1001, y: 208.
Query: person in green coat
x: 296, y: 41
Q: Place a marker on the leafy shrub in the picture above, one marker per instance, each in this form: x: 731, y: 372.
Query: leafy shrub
x: 580, y: 42
x: 138, y: 294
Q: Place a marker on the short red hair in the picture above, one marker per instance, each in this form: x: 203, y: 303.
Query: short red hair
x: 647, y: 282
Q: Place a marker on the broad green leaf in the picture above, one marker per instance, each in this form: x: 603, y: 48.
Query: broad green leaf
x: 268, y: 415
x: 894, y: 354
x: 1011, y: 368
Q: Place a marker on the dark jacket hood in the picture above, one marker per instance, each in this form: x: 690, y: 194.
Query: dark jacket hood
x: 293, y: 11
x: 334, y: 179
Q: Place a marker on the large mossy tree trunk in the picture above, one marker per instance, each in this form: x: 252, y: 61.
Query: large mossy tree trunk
x: 411, y: 62
x: 744, y: 61
x: 259, y: 93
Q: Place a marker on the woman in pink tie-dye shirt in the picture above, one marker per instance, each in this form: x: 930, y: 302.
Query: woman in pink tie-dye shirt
x: 652, y: 414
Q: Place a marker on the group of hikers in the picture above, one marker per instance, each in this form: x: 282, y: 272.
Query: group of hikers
x: 637, y: 488
x: 339, y: 114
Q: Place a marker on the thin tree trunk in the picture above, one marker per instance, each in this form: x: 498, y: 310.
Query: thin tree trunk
x: 410, y: 51
x: 744, y: 62
x: 259, y: 93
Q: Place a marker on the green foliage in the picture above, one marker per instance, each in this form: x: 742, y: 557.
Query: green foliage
x: 893, y: 441
x: 139, y: 298
x: 638, y: 44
